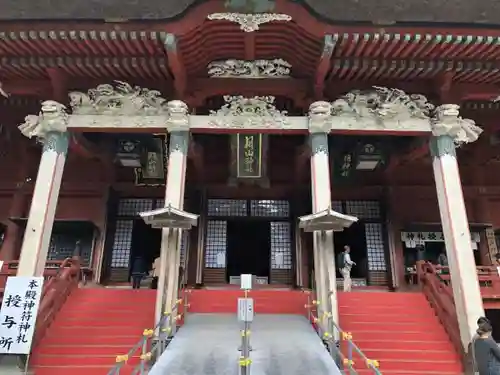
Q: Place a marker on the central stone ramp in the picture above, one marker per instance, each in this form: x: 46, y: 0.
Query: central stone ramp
x: 282, y: 345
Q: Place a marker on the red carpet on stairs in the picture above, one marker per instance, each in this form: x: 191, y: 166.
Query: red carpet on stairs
x: 92, y: 328
x: 401, y: 331
x: 265, y: 301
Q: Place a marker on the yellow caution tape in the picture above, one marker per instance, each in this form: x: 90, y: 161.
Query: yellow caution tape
x: 148, y: 333
x: 121, y: 358
x: 346, y: 336
x: 146, y: 356
x: 348, y: 362
x: 244, y: 362
x: 245, y: 333
x: 372, y: 363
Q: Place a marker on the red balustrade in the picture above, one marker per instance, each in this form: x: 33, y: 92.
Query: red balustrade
x: 61, y: 278
x: 434, y: 281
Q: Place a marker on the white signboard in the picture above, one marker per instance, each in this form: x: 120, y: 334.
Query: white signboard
x: 246, y: 281
x: 245, y: 309
x: 18, y: 314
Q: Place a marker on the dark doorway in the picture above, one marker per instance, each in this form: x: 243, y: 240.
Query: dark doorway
x: 248, y: 248
x: 355, y: 237
x: 146, y: 243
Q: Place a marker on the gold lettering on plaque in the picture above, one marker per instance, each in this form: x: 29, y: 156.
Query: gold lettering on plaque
x: 249, y: 154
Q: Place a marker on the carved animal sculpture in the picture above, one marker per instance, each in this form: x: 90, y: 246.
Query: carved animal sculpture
x: 29, y: 126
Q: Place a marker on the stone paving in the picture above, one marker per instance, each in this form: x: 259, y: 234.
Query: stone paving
x: 282, y: 345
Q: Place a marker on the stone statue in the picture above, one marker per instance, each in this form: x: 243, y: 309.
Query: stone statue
x: 320, y: 117
x: 178, y: 119
x: 52, y: 118
x: 447, y: 122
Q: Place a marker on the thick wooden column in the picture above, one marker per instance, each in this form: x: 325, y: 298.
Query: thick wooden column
x: 50, y: 128
x: 449, y: 130
x: 324, y: 259
x: 168, y: 279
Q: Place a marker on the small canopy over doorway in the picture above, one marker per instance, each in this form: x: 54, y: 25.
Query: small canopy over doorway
x: 173, y: 218
x: 169, y: 217
x: 326, y: 220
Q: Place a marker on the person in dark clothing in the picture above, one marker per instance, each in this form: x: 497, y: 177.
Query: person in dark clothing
x: 471, y: 362
x: 138, y: 272
x: 485, y: 351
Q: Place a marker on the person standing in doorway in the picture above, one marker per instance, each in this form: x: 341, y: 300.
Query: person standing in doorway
x: 155, y: 272
x: 345, y: 264
x: 138, y: 272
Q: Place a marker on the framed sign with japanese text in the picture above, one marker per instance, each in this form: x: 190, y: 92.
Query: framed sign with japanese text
x: 18, y: 314
x: 249, y: 155
x: 154, y: 161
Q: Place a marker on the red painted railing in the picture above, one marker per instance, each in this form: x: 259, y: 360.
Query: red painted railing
x: 434, y: 281
x: 61, y: 278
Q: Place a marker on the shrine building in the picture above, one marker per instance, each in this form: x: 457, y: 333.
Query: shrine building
x: 252, y: 137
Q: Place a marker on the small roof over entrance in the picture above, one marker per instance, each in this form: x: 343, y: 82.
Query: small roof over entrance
x: 169, y: 217
x: 326, y: 220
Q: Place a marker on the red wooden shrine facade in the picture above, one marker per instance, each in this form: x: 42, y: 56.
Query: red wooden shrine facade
x: 297, y: 60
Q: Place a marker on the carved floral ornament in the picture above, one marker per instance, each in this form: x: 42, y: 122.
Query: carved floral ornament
x: 391, y: 108
x: 121, y: 99
x: 120, y: 104
x: 257, y: 112
x: 250, y: 22
x: 253, y: 69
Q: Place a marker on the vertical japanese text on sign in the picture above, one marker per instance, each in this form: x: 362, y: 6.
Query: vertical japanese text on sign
x: 249, y: 155
x: 18, y: 314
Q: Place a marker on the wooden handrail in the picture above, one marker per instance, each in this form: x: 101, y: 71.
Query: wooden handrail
x: 440, y: 296
x: 61, y: 278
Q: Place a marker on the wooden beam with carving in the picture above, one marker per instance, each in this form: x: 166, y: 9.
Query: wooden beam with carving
x: 176, y: 65
x: 323, y: 66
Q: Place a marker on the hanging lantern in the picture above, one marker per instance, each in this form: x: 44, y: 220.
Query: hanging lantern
x: 368, y: 157
x: 128, y: 153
